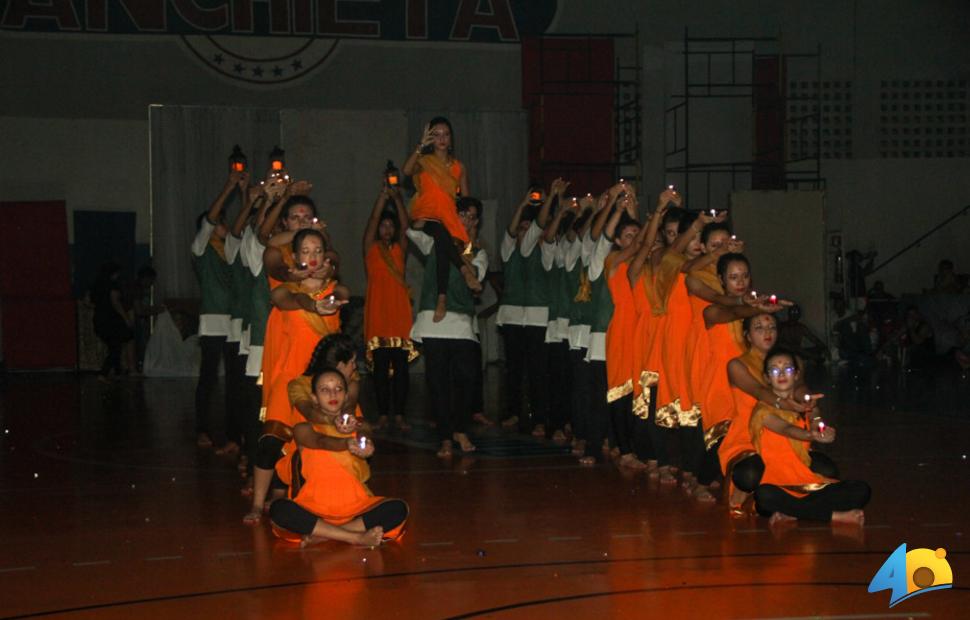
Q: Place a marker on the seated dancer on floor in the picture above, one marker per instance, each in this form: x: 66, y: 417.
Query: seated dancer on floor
x: 451, y: 356
x: 336, y: 350
x: 748, y: 386
x: 327, y: 499
x: 308, y: 310
x: 387, y: 305
x: 439, y: 179
x: 789, y: 488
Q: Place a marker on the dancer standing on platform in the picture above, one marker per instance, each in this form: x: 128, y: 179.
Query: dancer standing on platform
x: 327, y: 499
x: 308, y: 311
x: 450, y: 354
x: 523, y: 314
x: 789, y: 488
x: 387, y: 305
x: 440, y: 179
x: 215, y: 284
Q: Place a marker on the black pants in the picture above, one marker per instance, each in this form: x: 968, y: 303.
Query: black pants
x: 213, y: 348
x: 449, y: 367
x: 691, y: 448
x: 817, y: 505
x: 289, y: 515
x: 597, y: 414
x: 478, y: 392
x: 445, y: 254
x: 578, y: 393
x: 525, y: 360
x: 112, y: 359
x: 559, y: 378
x: 269, y: 450
x: 392, y: 390
x: 235, y: 393
x: 659, y: 435
x: 251, y: 426
x: 631, y: 433
x: 748, y: 471
x: 710, y: 464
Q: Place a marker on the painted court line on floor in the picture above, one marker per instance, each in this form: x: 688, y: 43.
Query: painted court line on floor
x: 92, y: 563
x: 756, y: 530
x: 436, y: 544
x: 163, y: 558
x: 627, y: 536
x: 697, y: 533
x: 17, y: 569
x: 564, y: 538
x: 233, y: 554
x: 500, y: 541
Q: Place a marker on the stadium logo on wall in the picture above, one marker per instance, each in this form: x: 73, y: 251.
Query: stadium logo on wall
x: 261, y: 60
x: 911, y: 574
x: 282, y: 40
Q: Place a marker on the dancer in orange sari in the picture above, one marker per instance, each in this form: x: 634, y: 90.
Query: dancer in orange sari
x: 387, y: 306
x: 327, y: 499
x: 790, y: 487
x: 309, y: 312
x: 439, y: 178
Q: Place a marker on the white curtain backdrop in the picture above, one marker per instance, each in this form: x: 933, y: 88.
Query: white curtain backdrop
x: 190, y: 147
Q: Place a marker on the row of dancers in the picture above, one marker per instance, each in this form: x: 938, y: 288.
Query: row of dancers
x: 650, y: 334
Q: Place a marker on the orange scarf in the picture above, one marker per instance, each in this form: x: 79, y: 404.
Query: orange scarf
x: 439, y: 172
x: 317, y: 323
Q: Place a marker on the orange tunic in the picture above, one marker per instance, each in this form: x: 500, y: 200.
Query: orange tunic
x: 330, y: 488
x: 619, y: 347
x: 737, y: 441
x: 787, y: 462
x: 678, y: 397
x: 273, y: 338
x: 644, y: 331
x: 387, y: 307
x: 356, y: 465
x: 300, y: 331
x: 437, y: 187
x: 700, y: 368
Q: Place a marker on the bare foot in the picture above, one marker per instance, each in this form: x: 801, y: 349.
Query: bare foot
x: 463, y: 442
x: 653, y: 468
x: 855, y: 517
x: 254, y: 516
x: 510, y: 422
x: 737, y: 499
x: 371, y: 538
x: 688, y: 481
x: 381, y: 423
x: 471, y: 279
x: 702, y: 494
x: 780, y: 517
x: 446, y: 451
x: 588, y: 461
x: 310, y: 540
x: 579, y: 448
x: 203, y: 441
x: 440, y: 309
x: 666, y: 475
x: 539, y: 431
x: 480, y: 418
x: 559, y: 437
x: 246, y: 491
x: 714, y: 485
x: 229, y: 448
x: 632, y: 462
x: 401, y: 423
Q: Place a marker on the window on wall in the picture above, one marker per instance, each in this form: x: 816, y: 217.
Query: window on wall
x: 820, y: 117
x: 923, y: 118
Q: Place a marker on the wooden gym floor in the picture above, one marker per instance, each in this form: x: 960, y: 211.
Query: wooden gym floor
x: 107, y: 510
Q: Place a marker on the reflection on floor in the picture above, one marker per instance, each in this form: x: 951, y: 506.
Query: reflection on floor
x: 109, y: 511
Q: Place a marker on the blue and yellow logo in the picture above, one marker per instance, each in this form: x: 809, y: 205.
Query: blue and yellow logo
x: 910, y: 574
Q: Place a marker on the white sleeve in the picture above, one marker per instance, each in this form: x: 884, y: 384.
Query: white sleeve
x: 202, y: 237
x: 586, y: 247
x: 480, y: 263
x: 598, y: 258
x: 561, y: 252
x: 232, y: 248
x: 247, y: 239
x: 530, y: 239
x: 549, y: 251
x: 573, y: 252
x: 255, y: 255
x: 423, y: 241
x: 508, y: 246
